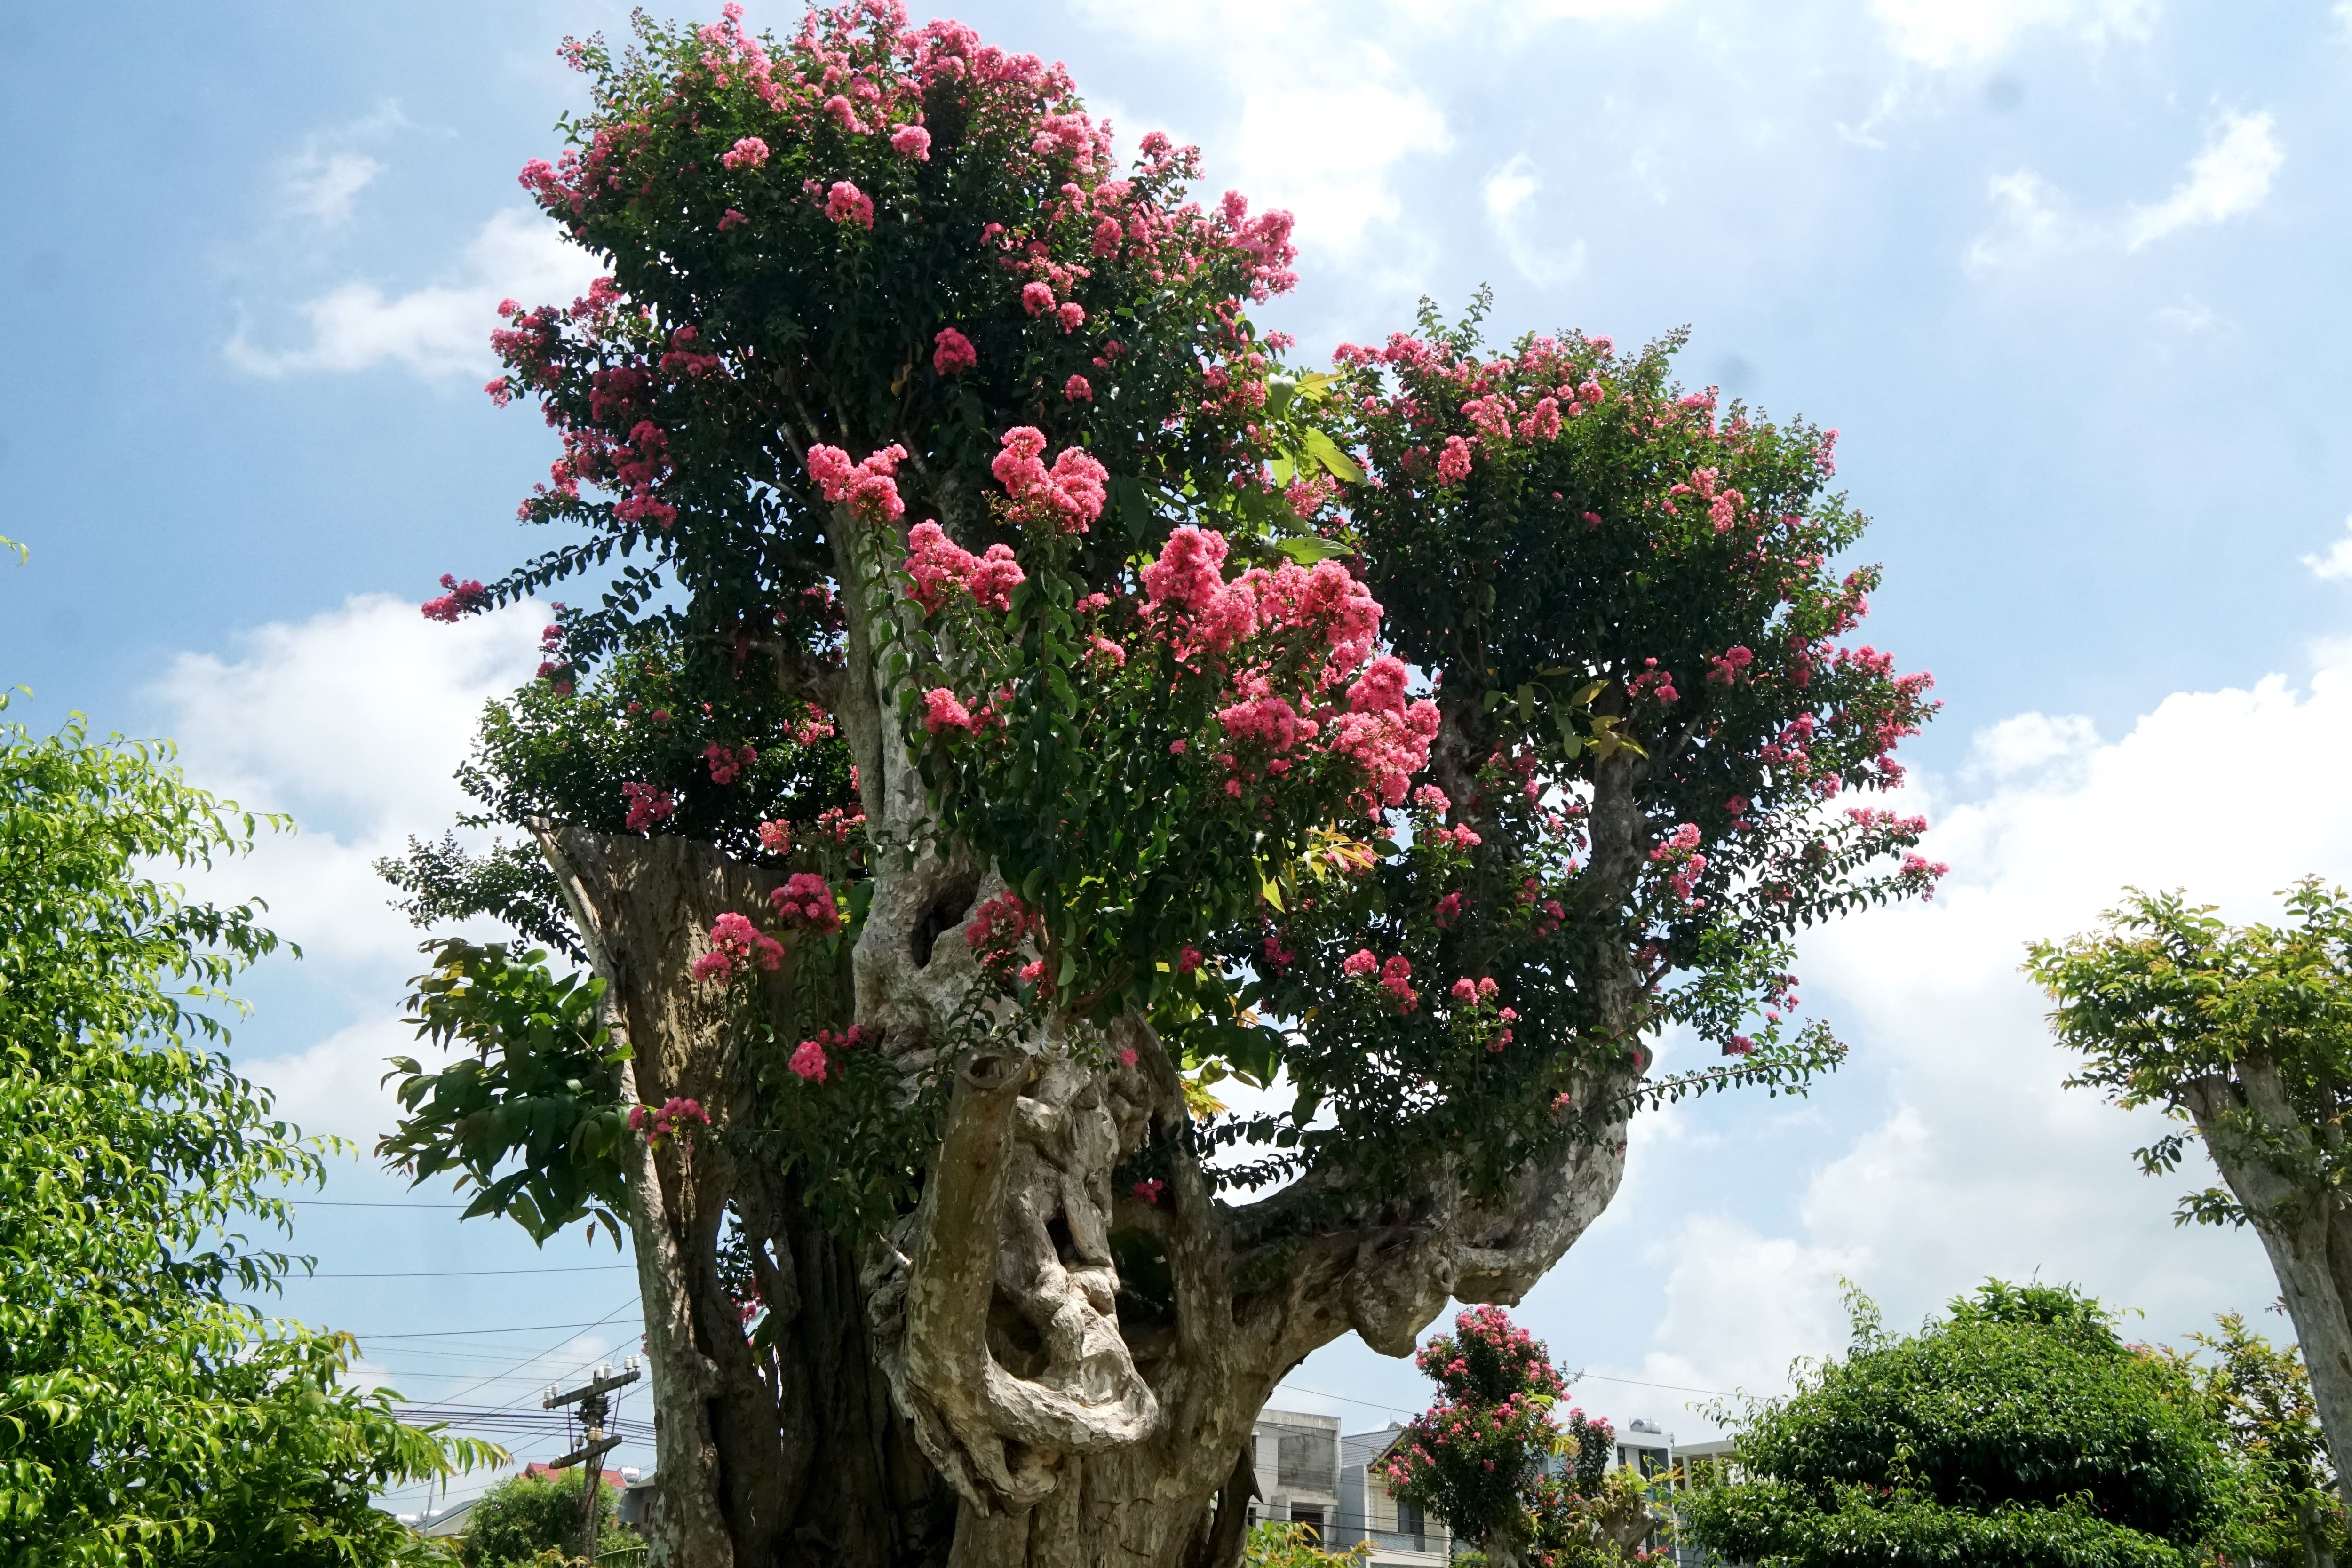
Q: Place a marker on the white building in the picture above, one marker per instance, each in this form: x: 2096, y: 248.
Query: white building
x: 1309, y: 1471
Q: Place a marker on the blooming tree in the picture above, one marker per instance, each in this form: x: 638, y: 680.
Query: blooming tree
x: 1496, y: 1460
x: 1016, y: 699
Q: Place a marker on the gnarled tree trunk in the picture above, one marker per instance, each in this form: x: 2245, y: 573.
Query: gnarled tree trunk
x: 982, y: 1388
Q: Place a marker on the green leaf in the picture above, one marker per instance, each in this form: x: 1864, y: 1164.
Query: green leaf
x: 1306, y: 549
x: 1326, y: 451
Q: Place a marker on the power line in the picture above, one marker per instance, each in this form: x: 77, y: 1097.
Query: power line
x: 548, y: 1351
x: 454, y: 1333
x: 466, y: 1273
x: 355, y: 1204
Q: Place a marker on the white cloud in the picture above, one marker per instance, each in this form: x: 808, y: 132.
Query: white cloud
x: 1982, y: 1163
x: 2338, y: 562
x: 2033, y: 218
x: 441, y: 329
x: 2229, y: 178
x: 1510, y: 196
x: 322, y: 186
x: 2189, y: 317
x: 354, y: 721
x: 2029, y: 743
x: 337, y: 1086
x: 1322, y: 137
x: 1325, y: 148
x: 1945, y: 34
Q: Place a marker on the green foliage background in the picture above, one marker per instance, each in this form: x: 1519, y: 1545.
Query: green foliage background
x: 146, y: 1414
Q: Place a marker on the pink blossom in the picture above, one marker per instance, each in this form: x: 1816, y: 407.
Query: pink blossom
x: 844, y: 114
x: 808, y: 1060
x: 748, y: 154
x: 1188, y: 961
x: 1187, y: 572
x: 911, y: 142
x: 954, y: 352
x: 844, y: 203
x: 1077, y: 389
x: 806, y: 902
x: 462, y: 599
x: 943, y: 711
x: 730, y: 218
x: 1127, y: 1058
x: 1069, y: 495
x: 647, y: 806
x: 1380, y: 688
x: 1453, y: 463
x: 1036, y: 298
x: 1429, y: 797
x: 1150, y: 1189
x: 1034, y: 971
x: 736, y: 946
x: 1359, y: 964
x: 776, y: 836
x: 937, y: 565
x: 868, y: 486
x: 1073, y: 316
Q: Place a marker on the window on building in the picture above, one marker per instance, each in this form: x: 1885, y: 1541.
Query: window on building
x: 1312, y: 1518
x: 1409, y: 1520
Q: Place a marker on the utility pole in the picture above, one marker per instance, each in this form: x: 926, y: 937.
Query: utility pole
x: 595, y: 1406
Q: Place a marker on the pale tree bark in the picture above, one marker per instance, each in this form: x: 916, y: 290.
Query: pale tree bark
x: 2273, y: 1162
x: 975, y: 1390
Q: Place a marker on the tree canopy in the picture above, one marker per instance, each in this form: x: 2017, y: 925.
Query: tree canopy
x: 2246, y: 1034
x: 147, y: 1413
x: 2019, y: 1430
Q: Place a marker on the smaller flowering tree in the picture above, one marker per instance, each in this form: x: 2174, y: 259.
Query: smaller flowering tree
x: 1487, y: 1457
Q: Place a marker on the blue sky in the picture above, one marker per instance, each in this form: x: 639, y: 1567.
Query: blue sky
x: 2065, y: 274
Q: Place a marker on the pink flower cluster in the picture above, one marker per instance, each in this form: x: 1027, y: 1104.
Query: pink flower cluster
x: 1395, y: 976
x: 776, y: 836
x: 1680, y: 850
x: 737, y: 946
x: 1454, y: 462
x: 844, y: 203
x: 1478, y: 997
x: 997, y: 930
x: 648, y: 806
x: 750, y: 153
x: 1729, y: 667
x: 1189, y: 578
x: 868, y: 486
x: 809, y: 1061
x: 911, y: 142
x: 944, y: 712
x: 676, y: 1119
x: 951, y: 353
x: 1068, y: 496
x: 1149, y: 1189
x: 462, y: 599
x: 939, y: 566
x: 727, y: 765
x: 806, y: 902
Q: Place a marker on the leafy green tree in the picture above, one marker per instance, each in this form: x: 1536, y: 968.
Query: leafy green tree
x: 147, y: 1417
x: 1010, y: 686
x: 1278, y: 1543
x: 2019, y: 1431
x: 2247, y: 1034
x: 2289, y: 1510
x: 525, y: 1515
